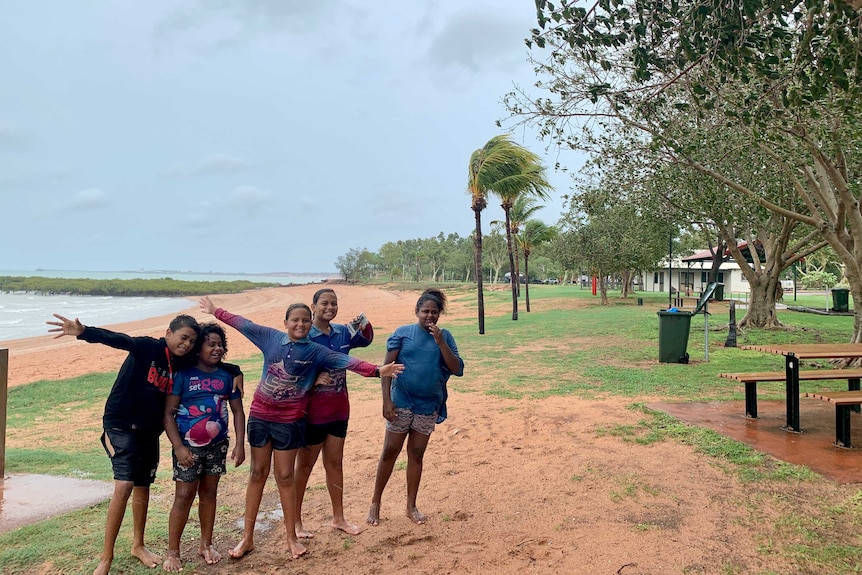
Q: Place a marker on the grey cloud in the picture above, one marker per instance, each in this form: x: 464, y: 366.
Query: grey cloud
x: 253, y: 17
x: 215, y: 164
x: 31, y: 176
x: 404, y: 203
x: 249, y: 199
x: 475, y: 41
x: 15, y: 141
x: 89, y: 199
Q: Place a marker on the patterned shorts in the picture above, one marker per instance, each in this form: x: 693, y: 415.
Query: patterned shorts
x: 209, y: 460
x: 406, y: 420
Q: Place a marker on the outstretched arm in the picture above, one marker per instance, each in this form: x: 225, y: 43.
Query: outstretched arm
x: 391, y: 369
x: 65, y: 326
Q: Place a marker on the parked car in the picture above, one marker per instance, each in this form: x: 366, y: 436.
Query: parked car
x: 553, y: 281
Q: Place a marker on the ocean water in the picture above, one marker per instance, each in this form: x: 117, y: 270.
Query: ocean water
x: 24, y: 314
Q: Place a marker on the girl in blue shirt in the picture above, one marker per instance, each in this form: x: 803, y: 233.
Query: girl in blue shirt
x: 416, y: 401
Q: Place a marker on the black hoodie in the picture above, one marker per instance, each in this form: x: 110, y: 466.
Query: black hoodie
x: 137, y: 399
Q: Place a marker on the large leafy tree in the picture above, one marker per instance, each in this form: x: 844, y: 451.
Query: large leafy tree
x: 784, y: 77
x: 773, y: 241
x: 354, y: 263
x: 507, y: 170
x: 611, y: 236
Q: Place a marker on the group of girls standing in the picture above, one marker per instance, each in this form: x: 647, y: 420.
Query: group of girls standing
x: 300, y: 407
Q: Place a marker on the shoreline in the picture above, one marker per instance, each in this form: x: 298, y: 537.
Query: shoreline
x: 46, y: 357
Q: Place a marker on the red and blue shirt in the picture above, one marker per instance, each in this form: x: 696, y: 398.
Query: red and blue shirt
x: 289, y: 369
x: 202, y: 416
x: 328, y: 403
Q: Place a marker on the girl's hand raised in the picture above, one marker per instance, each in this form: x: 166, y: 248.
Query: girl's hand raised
x: 436, y: 333
x: 207, y: 306
x: 391, y: 369
x: 66, y: 326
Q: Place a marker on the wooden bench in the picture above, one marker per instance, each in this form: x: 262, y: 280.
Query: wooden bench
x: 844, y: 403
x: 750, y: 380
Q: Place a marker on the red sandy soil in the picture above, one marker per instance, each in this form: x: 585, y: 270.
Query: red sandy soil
x: 510, y: 486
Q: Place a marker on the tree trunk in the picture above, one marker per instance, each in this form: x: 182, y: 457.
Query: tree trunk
x: 477, y: 243
x: 856, y: 293
x: 516, y: 281
x: 626, y: 283
x: 603, y: 288
x: 518, y: 269
x: 761, y: 304
x: 527, y: 273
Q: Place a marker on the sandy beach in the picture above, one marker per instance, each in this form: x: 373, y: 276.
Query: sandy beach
x: 511, y: 486
x: 44, y: 357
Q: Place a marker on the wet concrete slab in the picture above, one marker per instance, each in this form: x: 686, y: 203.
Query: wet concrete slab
x: 28, y: 498
x: 814, y: 447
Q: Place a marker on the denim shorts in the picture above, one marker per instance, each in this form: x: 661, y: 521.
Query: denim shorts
x: 284, y: 436
x: 134, y: 454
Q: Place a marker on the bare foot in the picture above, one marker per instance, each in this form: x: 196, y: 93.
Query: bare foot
x: 373, y: 515
x: 302, y: 532
x: 173, y: 561
x: 242, y: 549
x: 103, y: 567
x: 210, y: 555
x: 296, y: 548
x: 346, y: 526
x: 147, y: 557
x: 416, y: 516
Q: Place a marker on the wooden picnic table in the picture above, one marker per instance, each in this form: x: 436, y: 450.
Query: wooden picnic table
x: 792, y: 354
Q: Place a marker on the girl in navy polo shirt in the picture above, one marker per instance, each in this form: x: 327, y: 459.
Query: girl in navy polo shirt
x: 276, y: 422
x: 328, y: 411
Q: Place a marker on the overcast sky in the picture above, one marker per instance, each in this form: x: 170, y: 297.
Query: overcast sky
x: 248, y: 135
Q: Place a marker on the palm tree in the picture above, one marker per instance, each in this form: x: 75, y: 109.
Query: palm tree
x: 494, y: 167
x: 535, y: 233
x: 528, y: 180
x: 522, y: 210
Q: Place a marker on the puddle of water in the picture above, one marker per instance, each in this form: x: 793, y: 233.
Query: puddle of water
x: 26, y: 499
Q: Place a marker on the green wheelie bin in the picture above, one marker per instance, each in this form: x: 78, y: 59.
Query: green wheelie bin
x: 840, y: 299
x: 673, y: 331
x: 674, y: 326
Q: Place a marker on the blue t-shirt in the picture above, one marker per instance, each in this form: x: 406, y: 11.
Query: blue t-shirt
x: 202, y: 416
x: 422, y: 386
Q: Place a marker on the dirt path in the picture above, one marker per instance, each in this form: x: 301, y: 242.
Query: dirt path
x: 511, y: 487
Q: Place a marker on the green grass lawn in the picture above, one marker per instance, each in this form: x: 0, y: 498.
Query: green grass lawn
x: 578, y: 347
